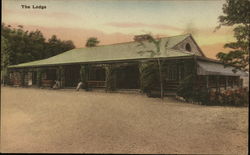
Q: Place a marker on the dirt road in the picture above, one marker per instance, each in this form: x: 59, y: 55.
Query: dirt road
x: 38, y: 120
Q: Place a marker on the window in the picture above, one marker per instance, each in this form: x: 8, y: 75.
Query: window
x: 188, y: 47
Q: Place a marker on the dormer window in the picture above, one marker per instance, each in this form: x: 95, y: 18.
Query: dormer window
x: 188, y: 47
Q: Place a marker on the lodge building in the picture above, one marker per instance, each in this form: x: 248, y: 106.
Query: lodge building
x: 118, y: 66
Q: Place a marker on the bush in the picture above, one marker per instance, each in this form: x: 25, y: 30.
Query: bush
x: 238, y: 97
x: 110, y: 77
x: 149, y: 76
x: 187, y: 90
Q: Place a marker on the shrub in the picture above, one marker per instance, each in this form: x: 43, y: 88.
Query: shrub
x: 238, y: 97
x: 149, y: 76
x: 110, y: 77
x: 187, y: 90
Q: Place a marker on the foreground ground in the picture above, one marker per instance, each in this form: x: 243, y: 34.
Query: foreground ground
x: 37, y: 120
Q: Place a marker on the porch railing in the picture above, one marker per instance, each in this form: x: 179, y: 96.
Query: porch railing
x: 97, y: 84
x: 47, y: 83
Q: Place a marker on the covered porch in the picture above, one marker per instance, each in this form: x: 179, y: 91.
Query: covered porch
x: 215, y: 76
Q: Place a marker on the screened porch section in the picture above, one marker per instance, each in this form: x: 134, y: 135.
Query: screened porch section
x: 97, y: 77
x: 128, y: 77
x: 48, y: 77
x: 72, y: 75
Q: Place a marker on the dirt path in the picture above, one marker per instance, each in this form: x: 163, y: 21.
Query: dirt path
x: 36, y: 120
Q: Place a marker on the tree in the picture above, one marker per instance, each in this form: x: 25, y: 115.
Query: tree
x: 24, y: 46
x: 92, y: 42
x: 55, y: 46
x: 236, y: 13
x: 5, y: 55
x: 5, y: 52
x: 157, y: 51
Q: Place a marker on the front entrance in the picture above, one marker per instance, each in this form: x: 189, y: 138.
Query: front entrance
x: 97, y: 77
x: 128, y: 77
x: 72, y: 75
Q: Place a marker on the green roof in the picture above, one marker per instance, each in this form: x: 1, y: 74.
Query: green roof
x: 114, y: 52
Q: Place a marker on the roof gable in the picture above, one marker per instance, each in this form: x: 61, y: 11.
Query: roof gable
x: 193, y: 46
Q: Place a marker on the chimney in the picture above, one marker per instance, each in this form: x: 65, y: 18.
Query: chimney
x: 142, y: 37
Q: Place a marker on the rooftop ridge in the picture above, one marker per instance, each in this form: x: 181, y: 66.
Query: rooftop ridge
x: 187, y: 34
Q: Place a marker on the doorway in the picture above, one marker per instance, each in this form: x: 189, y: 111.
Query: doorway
x: 72, y: 75
x: 128, y: 77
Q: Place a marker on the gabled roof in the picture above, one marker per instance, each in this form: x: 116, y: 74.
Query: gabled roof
x: 114, y: 52
x: 199, y: 49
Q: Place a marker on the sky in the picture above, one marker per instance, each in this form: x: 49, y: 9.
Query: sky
x: 115, y: 21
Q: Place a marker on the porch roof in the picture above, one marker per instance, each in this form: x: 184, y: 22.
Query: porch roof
x: 115, y: 52
x: 214, y: 68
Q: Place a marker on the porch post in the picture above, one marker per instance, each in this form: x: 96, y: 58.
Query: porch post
x: 140, y: 72
x: 62, y: 77
x: 232, y: 82
x: 238, y: 81
x: 226, y: 84
x: 195, y: 70
x: 217, y: 83
x: 207, y: 81
x: 38, y: 77
x: 107, y: 73
x: 108, y: 79
x: 88, y: 70
x: 83, y: 75
x: 241, y: 83
x: 22, y: 78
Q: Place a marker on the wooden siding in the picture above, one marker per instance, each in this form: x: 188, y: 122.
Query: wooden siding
x: 194, y: 48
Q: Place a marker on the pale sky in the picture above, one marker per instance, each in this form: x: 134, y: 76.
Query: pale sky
x: 113, y: 21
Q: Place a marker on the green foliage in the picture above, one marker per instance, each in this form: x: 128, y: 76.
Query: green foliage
x: 157, y: 43
x: 237, y: 12
x: 149, y: 76
x: 92, y: 42
x: 238, y: 97
x: 190, y: 93
x: 24, y: 46
x: 110, y: 77
x: 5, y: 55
x: 5, y: 52
x: 186, y: 88
x: 55, y: 46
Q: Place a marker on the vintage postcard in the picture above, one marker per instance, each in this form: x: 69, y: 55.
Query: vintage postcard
x: 125, y: 76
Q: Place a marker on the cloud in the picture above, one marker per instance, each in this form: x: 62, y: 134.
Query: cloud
x: 34, y: 14
x: 211, y: 50
x: 137, y: 24
x: 221, y: 31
